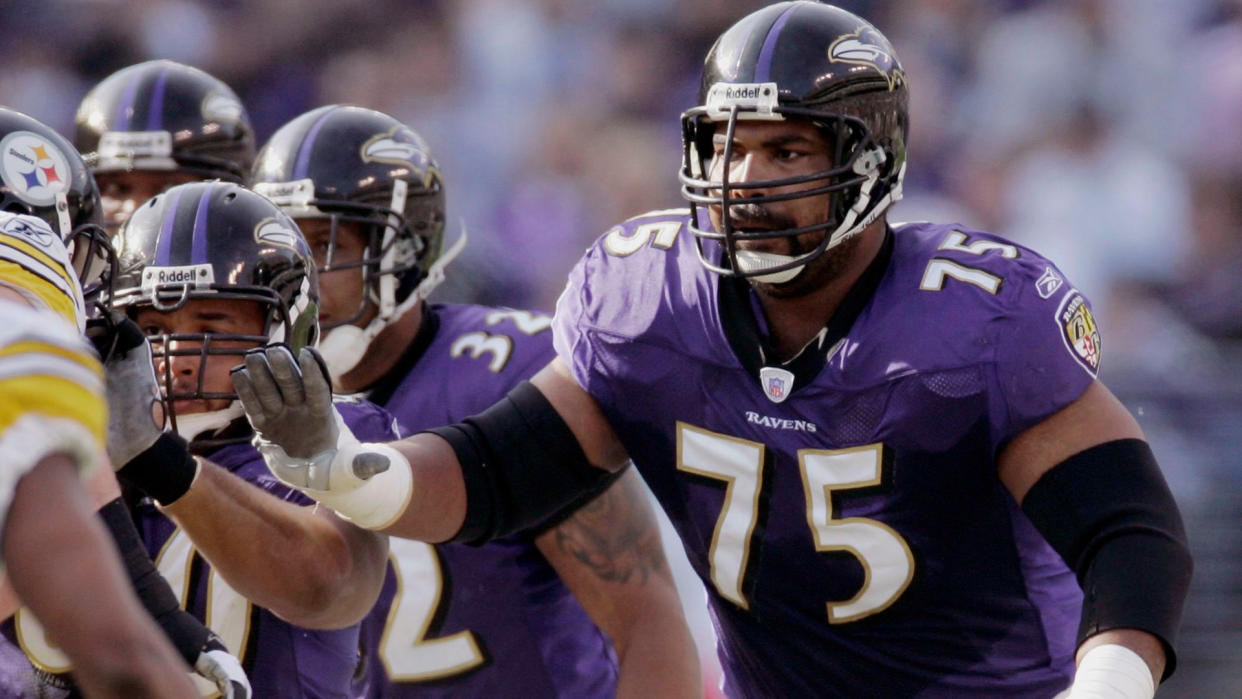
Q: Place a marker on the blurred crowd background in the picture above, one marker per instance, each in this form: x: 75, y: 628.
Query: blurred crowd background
x: 1106, y: 134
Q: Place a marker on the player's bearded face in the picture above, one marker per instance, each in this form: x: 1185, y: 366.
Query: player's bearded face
x: 770, y: 151
x: 180, y: 365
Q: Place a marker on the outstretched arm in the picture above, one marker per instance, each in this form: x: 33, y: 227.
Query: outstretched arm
x: 305, y: 564
x: 507, y: 469
x: 310, y: 568
x: 609, y: 554
x: 439, y: 498
x: 91, y: 614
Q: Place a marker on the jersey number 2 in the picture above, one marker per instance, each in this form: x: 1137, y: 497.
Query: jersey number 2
x: 407, y: 653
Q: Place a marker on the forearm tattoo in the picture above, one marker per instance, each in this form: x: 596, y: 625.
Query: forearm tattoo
x: 616, y: 536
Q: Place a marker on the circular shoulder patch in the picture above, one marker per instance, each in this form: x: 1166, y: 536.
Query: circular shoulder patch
x: 33, y: 168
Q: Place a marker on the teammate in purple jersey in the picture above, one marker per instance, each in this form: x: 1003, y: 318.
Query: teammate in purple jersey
x: 211, y: 271
x: 885, y: 447
x: 281, y: 658
x: 518, y: 616
x: 156, y: 124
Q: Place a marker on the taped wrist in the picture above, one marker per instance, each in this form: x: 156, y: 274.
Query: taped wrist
x: 1109, y: 513
x: 382, y: 497
x: 1111, y: 671
x: 521, y: 464
x: 165, y: 470
x: 188, y: 635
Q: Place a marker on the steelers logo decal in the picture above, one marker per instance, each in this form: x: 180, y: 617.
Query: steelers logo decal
x: 1078, y: 329
x: 33, y: 168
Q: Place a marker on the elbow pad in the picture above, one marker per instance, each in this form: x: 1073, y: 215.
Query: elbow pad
x: 1109, y: 513
x: 521, y: 465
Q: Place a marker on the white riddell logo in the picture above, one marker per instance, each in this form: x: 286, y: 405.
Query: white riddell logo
x: 780, y: 423
x: 276, y: 232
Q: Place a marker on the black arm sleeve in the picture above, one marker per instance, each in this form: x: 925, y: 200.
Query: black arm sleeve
x: 521, y: 464
x: 188, y: 635
x: 1109, y: 513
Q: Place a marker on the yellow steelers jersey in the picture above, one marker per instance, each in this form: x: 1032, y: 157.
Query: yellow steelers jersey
x: 34, y: 261
x: 51, y: 395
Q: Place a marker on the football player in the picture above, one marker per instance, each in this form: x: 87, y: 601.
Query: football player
x: 884, y: 445
x: 457, y: 620
x: 52, y: 419
x: 43, y: 177
x: 209, y: 271
x: 157, y: 124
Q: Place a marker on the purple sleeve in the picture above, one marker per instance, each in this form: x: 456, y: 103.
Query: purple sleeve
x: 1047, y: 354
x: 255, y: 472
x: 569, y: 325
x: 368, y: 421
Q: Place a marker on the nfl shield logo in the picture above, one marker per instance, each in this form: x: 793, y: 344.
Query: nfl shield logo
x: 777, y: 383
x: 776, y: 386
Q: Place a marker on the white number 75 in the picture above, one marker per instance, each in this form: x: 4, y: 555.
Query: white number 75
x: 887, y: 562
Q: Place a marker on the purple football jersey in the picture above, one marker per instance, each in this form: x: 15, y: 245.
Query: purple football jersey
x: 480, y: 621
x: 846, y: 516
x: 280, y: 659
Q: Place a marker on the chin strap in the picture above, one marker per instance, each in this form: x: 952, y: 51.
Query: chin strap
x: 869, y: 165
x: 342, y: 347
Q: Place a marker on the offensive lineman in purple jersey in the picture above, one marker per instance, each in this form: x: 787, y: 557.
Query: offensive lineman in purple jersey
x: 209, y: 271
x: 507, y: 618
x: 885, y: 448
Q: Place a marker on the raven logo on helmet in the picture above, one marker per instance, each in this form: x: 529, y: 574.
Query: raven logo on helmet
x: 397, y: 147
x: 275, y: 231
x: 33, y: 167
x: 223, y: 108
x: 866, y: 47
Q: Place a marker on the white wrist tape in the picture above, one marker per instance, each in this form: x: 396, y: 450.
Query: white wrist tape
x: 377, y: 501
x: 1111, y: 671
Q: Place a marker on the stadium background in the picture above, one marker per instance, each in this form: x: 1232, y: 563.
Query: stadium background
x: 1105, y: 133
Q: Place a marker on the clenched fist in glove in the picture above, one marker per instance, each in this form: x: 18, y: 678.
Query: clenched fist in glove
x: 307, y: 445
x: 143, y: 454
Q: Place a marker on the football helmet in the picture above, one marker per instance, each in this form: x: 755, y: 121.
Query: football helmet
x: 215, y: 240
x: 346, y: 163
x: 798, y: 60
x: 164, y: 115
x: 42, y: 175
